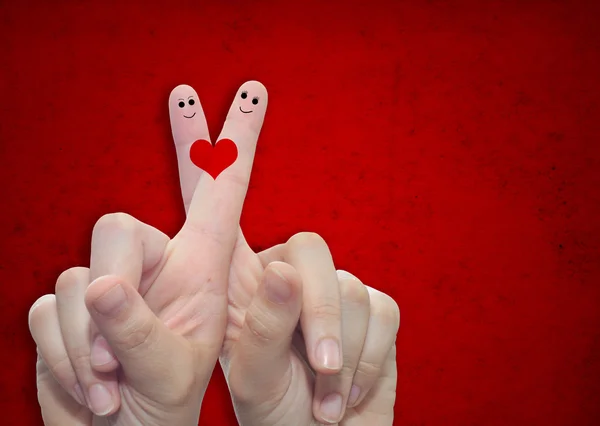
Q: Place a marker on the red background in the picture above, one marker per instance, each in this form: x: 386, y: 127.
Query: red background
x: 447, y: 151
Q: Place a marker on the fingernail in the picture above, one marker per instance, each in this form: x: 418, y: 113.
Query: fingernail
x: 331, y: 407
x: 100, y: 399
x: 354, y: 394
x: 111, y: 302
x: 79, y: 394
x: 278, y: 289
x: 328, y: 354
x: 100, y: 352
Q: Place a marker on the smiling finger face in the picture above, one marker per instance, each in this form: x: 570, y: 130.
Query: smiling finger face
x: 188, y: 125
x: 217, y: 203
x: 250, y: 104
x: 187, y: 117
x: 255, y: 101
x: 213, y: 208
x: 184, y: 103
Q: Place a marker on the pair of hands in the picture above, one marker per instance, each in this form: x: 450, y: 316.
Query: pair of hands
x: 134, y: 338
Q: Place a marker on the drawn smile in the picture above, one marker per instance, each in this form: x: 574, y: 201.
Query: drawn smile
x: 245, y: 112
x: 191, y: 116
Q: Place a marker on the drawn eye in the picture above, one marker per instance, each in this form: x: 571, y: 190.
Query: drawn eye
x: 181, y: 104
x: 255, y: 101
x: 244, y: 95
x: 191, y: 102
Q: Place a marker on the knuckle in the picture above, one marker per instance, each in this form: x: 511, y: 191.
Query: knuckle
x: 260, y: 326
x: 80, y: 361
x: 70, y: 279
x: 327, y: 310
x: 40, y: 310
x: 349, y: 369
x: 62, y: 370
x: 396, y: 315
x: 184, y: 383
x: 303, y: 240
x: 203, y: 232
x: 140, y: 336
x: 115, y: 222
x: 368, y: 370
x: 386, y: 310
x: 391, y: 313
x: 355, y: 292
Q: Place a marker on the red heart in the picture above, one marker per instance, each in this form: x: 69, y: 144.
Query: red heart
x: 213, y: 159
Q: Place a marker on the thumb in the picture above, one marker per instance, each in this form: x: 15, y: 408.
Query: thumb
x: 260, y: 361
x: 146, y: 349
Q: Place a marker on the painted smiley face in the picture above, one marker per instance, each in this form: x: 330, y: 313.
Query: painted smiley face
x: 247, y: 108
x: 182, y: 103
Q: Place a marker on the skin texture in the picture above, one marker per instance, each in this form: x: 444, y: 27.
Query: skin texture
x: 237, y: 127
x: 263, y: 314
x: 274, y: 376
x: 177, y: 290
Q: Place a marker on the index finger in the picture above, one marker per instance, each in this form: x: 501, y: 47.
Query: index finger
x: 321, y: 317
x: 226, y: 166
x: 188, y: 124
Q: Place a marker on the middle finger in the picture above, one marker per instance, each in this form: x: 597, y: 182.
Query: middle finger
x: 321, y: 306
x: 333, y: 392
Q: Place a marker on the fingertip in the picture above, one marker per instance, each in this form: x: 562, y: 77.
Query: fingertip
x: 345, y: 275
x: 103, y: 399
x: 354, y: 395
x: 328, y: 356
x: 330, y: 408
x: 182, y: 88
x: 41, y: 300
x: 278, y: 289
x: 256, y: 84
x: 102, y: 357
x: 100, y: 285
x: 105, y: 295
x: 283, y: 274
x: 179, y: 99
x: 255, y: 91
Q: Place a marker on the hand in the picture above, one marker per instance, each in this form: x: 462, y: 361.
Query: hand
x: 277, y: 373
x: 134, y: 338
x: 267, y: 379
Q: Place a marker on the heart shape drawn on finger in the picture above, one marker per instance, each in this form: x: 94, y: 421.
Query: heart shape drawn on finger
x: 213, y: 159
